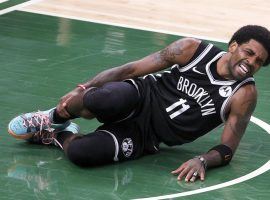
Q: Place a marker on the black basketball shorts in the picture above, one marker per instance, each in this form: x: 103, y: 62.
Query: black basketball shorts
x: 127, y: 140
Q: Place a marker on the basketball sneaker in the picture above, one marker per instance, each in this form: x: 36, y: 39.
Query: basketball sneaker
x: 25, y: 125
x: 49, y: 136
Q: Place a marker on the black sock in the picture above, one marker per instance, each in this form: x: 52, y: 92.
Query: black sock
x: 57, y: 119
x: 62, y: 136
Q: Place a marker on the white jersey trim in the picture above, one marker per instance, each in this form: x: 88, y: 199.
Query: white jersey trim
x: 134, y: 83
x: 174, y: 66
x: 197, y: 60
x: 151, y: 75
x: 225, y: 103
x: 210, y: 76
x: 116, y: 144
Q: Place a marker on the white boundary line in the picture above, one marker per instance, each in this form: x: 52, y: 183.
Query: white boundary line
x: 2, y: 1
x: 126, y: 26
x: 264, y: 168
x: 19, y: 6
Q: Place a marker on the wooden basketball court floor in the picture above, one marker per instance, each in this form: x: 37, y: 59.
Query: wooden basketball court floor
x: 47, y: 47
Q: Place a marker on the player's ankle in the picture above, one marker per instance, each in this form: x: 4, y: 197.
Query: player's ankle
x: 56, y: 118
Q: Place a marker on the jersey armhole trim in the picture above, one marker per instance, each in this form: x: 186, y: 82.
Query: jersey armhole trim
x: 196, y: 60
x: 225, y: 103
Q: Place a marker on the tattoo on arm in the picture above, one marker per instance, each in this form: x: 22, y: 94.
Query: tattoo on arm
x: 169, y: 54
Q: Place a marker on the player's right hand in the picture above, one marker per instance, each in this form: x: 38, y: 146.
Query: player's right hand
x: 66, y: 100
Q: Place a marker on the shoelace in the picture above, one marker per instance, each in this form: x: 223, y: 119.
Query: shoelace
x: 42, y: 120
x: 47, y: 137
x: 38, y: 119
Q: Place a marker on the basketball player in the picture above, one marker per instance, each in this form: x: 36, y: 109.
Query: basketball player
x: 202, y: 88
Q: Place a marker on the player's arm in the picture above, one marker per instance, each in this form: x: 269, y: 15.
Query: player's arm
x: 179, y: 52
x: 241, y: 107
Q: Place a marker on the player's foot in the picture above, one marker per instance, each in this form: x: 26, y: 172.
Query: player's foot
x: 25, y: 125
x: 49, y: 136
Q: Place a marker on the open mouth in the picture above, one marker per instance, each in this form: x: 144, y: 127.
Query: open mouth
x: 244, y: 69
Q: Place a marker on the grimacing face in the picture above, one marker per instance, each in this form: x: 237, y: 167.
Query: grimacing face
x: 246, y: 59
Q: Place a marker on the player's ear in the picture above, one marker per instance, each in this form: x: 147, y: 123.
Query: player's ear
x: 233, y: 46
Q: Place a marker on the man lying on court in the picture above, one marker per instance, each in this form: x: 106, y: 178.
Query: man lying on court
x: 203, y: 87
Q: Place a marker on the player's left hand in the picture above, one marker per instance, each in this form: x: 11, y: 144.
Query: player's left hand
x: 192, y: 170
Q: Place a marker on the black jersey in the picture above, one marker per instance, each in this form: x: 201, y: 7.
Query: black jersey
x: 184, y: 103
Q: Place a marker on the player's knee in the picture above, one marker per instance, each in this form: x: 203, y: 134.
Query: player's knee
x: 80, y: 157
x: 88, y: 151
x: 99, y: 100
x: 112, y: 101
x: 74, y: 157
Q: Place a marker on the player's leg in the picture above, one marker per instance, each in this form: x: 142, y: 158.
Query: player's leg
x: 108, y: 144
x: 111, y: 102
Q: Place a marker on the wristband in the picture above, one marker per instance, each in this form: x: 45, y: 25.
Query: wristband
x: 225, y: 153
x: 81, y: 86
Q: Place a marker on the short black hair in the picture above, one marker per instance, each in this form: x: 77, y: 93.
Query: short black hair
x: 258, y: 33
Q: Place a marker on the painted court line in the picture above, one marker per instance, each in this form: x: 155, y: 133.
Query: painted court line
x: 125, y: 25
x: 19, y: 6
x: 2, y: 1
x: 241, y: 179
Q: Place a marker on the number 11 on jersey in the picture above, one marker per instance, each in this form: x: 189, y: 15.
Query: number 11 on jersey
x: 176, y: 105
